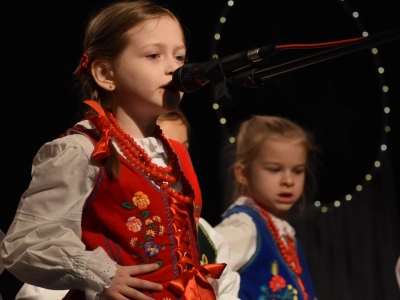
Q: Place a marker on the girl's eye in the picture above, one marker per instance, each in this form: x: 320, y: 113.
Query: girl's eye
x: 180, y: 58
x: 300, y: 171
x: 152, y: 56
x: 273, y: 170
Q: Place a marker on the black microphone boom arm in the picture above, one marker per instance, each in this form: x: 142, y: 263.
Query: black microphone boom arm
x: 250, y: 78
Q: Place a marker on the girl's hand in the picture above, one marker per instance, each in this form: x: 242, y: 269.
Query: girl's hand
x: 124, y: 285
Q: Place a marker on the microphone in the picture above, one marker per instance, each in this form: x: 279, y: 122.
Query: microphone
x: 192, y: 76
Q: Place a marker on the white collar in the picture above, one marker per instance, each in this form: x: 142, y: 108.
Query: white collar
x: 283, y: 226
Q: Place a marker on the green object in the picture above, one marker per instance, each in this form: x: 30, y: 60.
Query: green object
x: 208, y: 252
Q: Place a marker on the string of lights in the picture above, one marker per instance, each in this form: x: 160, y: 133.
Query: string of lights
x: 372, y: 172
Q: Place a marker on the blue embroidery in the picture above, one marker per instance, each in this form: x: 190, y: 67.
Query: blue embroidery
x: 99, y: 181
x: 116, y: 250
x: 108, y: 247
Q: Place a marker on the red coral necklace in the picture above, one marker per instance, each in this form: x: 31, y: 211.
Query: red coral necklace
x: 287, y: 250
x: 162, y: 176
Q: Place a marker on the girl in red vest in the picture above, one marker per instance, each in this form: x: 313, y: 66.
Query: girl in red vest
x: 113, y: 197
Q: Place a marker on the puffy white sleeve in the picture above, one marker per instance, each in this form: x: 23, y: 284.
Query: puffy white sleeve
x: 31, y: 292
x: 229, y: 282
x: 43, y: 245
x: 240, y: 232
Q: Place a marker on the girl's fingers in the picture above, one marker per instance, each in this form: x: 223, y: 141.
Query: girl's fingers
x: 113, y: 294
x: 141, y: 284
x: 125, y: 285
x: 142, y: 269
x: 133, y: 294
x: 124, y: 293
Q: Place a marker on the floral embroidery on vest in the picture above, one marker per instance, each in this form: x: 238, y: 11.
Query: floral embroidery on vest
x: 277, y: 288
x: 149, y: 226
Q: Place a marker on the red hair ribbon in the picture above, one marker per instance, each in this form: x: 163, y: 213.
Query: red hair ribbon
x: 101, y: 150
x: 191, y: 284
x: 84, y: 64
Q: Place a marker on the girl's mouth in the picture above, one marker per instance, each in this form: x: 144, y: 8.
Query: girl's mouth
x: 285, y: 198
x: 285, y: 195
x: 170, y: 87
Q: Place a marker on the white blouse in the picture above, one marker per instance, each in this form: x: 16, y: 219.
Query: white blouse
x: 239, y: 231
x: 229, y: 282
x: 45, y: 235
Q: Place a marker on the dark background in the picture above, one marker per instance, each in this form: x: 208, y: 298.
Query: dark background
x: 351, y: 249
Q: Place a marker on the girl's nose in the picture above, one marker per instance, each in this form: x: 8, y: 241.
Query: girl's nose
x: 171, y: 66
x: 287, y: 179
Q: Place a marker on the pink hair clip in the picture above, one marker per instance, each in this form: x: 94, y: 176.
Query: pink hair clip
x: 84, y: 64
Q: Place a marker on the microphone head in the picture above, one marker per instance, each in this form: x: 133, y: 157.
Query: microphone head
x: 184, y: 78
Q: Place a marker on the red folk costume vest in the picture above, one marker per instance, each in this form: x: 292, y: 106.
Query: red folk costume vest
x: 137, y: 222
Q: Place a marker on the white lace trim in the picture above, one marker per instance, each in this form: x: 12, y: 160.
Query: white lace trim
x: 96, y: 270
x: 152, y: 146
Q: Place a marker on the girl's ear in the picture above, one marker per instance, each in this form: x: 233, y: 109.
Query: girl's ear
x: 240, y: 173
x: 103, y: 74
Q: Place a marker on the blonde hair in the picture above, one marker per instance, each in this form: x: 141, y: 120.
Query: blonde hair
x: 255, y: 131
x: 106, y: 36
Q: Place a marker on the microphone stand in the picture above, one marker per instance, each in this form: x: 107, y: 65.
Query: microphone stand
x: 255, y: 78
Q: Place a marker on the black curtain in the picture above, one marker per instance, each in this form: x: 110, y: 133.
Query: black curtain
x: 352, y: 250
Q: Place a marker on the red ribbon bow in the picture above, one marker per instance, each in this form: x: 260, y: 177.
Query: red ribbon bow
x: 101, y: 150
x: 84, y: 64
x: 192, y: 283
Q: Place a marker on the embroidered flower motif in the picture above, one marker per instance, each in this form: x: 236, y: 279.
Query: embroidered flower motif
x: 150, y: 232
x: 146, y: 225
x: 162, y: 230
x: 141, y: 200
x: 151, y: 249
x: 277, y: 282
x: 133, y: 242
x: 277, y: 288
x: 134, y: 224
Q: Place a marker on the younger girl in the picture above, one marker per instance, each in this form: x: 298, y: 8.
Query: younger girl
x: 113, y: 193
x: 270, y: 168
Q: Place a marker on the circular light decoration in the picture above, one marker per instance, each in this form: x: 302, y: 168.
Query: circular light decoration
x: 324, y: 98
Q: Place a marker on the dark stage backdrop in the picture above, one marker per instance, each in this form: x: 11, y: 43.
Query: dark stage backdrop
x: 351, y: 249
